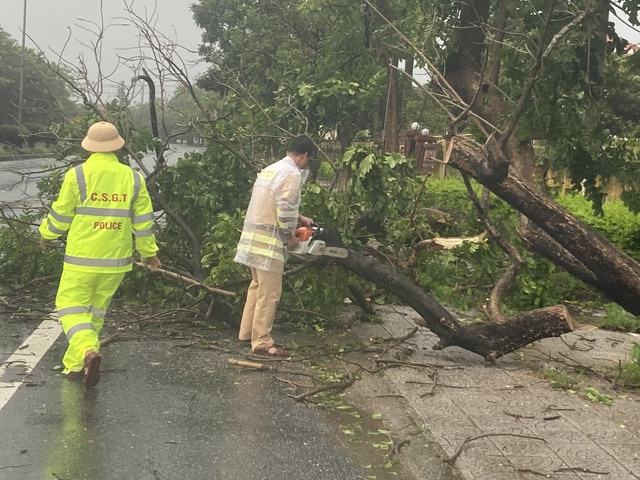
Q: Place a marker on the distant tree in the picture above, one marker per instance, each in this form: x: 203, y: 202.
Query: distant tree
x: 46, y: 99
x: 122, y: 94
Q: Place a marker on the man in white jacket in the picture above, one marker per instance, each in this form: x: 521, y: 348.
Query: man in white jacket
x: 271, y: 221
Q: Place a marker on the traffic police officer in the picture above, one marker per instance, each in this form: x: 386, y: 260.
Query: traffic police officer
x: 102, y: 202
x: 271, y: 220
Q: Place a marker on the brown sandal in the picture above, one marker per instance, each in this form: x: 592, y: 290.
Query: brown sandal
x: 272, y: 351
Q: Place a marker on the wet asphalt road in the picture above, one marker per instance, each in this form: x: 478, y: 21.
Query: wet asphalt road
x: 160, y: 412
x: 19, y: 177
x: 19, y: 180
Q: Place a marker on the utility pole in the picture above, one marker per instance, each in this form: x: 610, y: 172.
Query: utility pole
x: 24, y: 34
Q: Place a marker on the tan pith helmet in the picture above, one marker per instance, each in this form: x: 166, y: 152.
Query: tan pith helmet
x: 102, y: 137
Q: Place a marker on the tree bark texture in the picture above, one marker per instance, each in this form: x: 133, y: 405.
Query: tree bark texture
x: 489, y: 340
x: 615, y: 273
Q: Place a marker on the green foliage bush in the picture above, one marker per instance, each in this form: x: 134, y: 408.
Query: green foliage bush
x: 630, y: 370
x: 617, y: 223
x: 20, y: 256
x: 616, y: 318
x: 464, y: 276
x: 10, y: 135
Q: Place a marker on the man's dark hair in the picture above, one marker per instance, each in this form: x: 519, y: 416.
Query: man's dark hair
x: 301, y: 145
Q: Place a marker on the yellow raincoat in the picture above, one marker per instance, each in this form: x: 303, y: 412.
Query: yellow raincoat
x: 101, y: 204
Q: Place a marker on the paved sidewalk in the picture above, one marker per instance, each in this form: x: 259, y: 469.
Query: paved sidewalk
x: 526, y: 429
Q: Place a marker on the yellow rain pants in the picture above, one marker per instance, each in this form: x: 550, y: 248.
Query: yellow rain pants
x: 82, y: 302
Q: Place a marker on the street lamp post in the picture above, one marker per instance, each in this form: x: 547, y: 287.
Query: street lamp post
x: 24, y: 33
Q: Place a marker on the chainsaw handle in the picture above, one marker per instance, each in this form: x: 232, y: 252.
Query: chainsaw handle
x: 304, y: 233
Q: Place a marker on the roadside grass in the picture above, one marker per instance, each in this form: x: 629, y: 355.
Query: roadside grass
x: 561, y: 380
x: 630, y: 370
x: 618, y: 319
x: 615, y: 318
x: 573, y: 383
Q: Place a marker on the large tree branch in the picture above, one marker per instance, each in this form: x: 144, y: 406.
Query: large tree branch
x: 490, y: 340
x: 619, y: 274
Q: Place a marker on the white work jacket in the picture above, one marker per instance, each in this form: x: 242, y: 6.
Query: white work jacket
x: 272, y: 215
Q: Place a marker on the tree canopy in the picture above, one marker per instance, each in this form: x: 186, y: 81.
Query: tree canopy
x: 46, y: 99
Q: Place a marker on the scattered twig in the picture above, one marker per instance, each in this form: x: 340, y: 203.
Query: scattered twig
x: 171, y: 311
x: 204, y: 346
x: 293, y: 384
x: 433, y: 374
x: 109, y: 339
x: 48, y: 278
x: 12, y: 362
x: 15, y: 466
x: 580, y: 469
x: 191, y: 400
x: 553, y: 408
x: 454, y: 457
x: 400, y: 339
x: 361, y: 367
x: 411, y: 364
x: 265, y: 367
x: 326, y: 387
x: 309, y: 312
x: 395, y: 449
x: 184, y: 279
x: 533, y: 472
x: 517, y: 416
x: 574, y: 346
x: 7, y: 304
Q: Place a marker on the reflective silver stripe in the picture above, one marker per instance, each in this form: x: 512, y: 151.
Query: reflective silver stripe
x: 72, y: 311
x: 53, y: 229
x: 98, y: 262
x: 77, y: 328
x: 143, y: 233
x: 60, y: 218
x: 103, y: 212
x: 136, y: 187
x: 97, y: 312
x: 144, y: 218
x: 82, y: 184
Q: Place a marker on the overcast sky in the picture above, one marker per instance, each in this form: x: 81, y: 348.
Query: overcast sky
x: 50, y: 24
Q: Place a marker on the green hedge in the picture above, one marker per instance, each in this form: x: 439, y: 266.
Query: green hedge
x: 618, y: 223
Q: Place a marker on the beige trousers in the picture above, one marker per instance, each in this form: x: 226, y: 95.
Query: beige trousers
x: 260, y: 308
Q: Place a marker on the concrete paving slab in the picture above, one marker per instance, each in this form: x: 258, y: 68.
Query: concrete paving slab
x: 515, y: 425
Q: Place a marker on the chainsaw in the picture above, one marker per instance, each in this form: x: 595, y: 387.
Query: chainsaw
x: 309, y: 243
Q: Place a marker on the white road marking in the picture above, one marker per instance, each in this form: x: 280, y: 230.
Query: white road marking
x: 27, y: 356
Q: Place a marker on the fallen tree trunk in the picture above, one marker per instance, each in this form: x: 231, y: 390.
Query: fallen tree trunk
x: 612, y: 272
x: 490, y: 340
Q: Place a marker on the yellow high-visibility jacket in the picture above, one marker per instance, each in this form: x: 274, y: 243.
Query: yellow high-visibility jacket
x: 271, y: 216
x: 102, y: 202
